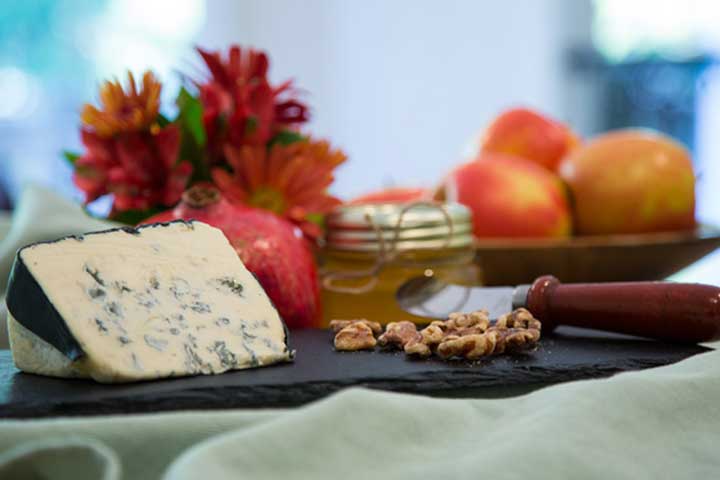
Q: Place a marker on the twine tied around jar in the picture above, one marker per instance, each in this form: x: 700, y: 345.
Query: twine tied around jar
x: 386, y: 254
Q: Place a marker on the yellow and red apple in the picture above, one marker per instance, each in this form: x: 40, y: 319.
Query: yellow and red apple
x: 531, y: 135
x: 631, y: 181
x: 509, y: 197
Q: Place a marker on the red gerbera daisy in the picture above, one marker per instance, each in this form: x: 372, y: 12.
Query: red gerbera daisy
x: 290, y: 180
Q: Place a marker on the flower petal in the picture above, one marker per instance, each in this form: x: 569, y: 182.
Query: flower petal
x: 168, y: 145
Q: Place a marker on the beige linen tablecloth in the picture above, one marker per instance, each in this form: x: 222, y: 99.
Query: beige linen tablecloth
x: 660, y: 423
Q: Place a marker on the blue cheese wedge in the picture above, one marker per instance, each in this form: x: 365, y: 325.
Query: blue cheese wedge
x: 164, y: 300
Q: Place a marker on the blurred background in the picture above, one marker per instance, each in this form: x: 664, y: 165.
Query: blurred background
x: 403, y: 87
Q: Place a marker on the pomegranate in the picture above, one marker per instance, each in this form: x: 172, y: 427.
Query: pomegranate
x: 269, y: 246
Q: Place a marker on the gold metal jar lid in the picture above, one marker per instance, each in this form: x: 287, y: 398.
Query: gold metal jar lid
x: 399, y: 227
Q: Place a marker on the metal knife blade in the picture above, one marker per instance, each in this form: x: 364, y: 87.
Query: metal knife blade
x: 427, y: 296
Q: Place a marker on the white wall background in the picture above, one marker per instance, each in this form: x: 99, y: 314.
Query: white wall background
x: 708, y: 148
x: 402, y: 86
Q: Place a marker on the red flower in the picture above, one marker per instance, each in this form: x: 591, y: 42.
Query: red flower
x: 136, y: 160
x: 138, y: 168
x: 240, y: 105
x: 122, y: 111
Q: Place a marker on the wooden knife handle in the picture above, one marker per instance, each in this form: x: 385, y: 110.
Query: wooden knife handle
x: 675, y: 312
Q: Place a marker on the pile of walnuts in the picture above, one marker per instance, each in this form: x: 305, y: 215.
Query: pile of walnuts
x: 462, y: 335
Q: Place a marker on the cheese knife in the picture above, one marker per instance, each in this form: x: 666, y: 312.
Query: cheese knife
x: 674, y: 312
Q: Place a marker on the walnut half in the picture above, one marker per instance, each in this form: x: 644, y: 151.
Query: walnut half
x: 356, y: 336
x: 471, y: 346
x: 399, y: 334
x: 337, y: 325
x: 518, y: 318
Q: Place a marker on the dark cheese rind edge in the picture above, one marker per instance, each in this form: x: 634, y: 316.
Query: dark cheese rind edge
x: 30, y: 306
x: 128, y: 230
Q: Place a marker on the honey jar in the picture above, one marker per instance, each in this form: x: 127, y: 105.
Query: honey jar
x: 371, y: 250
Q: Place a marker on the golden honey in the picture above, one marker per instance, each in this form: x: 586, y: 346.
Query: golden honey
x: 372, y: 250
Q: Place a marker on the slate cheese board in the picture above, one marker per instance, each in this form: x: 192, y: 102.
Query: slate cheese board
x: 318, y: 370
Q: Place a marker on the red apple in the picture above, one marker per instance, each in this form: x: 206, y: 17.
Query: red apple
x: 528, y: 134
x: 510, y: 197
x: 631, y: 181
x: 393, y: 195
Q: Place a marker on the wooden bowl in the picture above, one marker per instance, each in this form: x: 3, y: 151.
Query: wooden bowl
x: 615, y: 258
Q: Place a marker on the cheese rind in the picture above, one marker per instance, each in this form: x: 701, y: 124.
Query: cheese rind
x: 134, y: 304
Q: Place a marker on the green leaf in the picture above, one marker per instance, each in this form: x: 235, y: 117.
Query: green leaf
x: 162, y: 120
x: 251, y: 125
x: 133, y: 217
x: 192, y: 135
x: 316, y: 218
x: 286, y: 137
x: 71, y: 157
x: 221, y: 123
x: 190, y: 116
